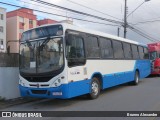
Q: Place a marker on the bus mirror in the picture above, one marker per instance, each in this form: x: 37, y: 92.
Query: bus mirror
x: 8, y: 50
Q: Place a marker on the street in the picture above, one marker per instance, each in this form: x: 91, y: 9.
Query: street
x: 143, y: 97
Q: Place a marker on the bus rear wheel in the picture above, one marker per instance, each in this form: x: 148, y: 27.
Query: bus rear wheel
x: 94, y: 88
x: 136, y: 78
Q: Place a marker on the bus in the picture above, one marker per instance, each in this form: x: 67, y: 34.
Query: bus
x: 154, y: 55
x: 64, y: 61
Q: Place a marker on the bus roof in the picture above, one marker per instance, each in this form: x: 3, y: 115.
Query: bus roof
x: 80, y: 29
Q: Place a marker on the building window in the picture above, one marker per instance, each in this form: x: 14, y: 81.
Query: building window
x: 30, y: 22
x: 1, y: 16
x: 21, y: 19
x: 1, y: 44
x: 1, y: 28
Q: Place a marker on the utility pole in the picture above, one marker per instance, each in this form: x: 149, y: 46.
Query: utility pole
x: 125, y: 19
x: 118, y: 30
x: 126, y: 16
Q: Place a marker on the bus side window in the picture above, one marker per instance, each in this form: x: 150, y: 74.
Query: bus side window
x: 75, y: 50
x: 118, y: 49
x: 106, y: 48
x: 92, y: 50
x: 141, y: 52
x: 146, y: 55
x: 127, y: 50
x: 135, y: 52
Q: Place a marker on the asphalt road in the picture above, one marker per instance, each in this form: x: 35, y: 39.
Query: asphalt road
x: 144, y: 97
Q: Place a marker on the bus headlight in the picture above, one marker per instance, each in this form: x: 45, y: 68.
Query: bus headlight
x: 21, y: 83
x: 56, y: 83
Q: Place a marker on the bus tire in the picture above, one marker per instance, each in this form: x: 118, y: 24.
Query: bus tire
x: 136, y: 78
x: 94, y: 88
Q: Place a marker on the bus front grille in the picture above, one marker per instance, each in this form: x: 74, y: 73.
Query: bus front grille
x: 39, y: 91
x: 38, y: 79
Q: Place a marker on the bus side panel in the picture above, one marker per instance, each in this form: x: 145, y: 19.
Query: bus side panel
x: 117, y: 79
x: 79, y: 88
x: 144, y: 67
x: 110, y: 80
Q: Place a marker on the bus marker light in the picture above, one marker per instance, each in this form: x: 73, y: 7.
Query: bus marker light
x: 55, y: 84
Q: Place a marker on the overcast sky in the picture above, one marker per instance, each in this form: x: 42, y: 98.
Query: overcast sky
x: 148, y: 11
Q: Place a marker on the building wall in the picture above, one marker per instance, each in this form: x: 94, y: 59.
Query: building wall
x: 18, y: 21
x: 9, y: 76
x: 3, y: 32
x: 45, y: 21
x: 9, y: 83
x: 12, y: 34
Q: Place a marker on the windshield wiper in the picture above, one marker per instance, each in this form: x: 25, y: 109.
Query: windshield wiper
x: 29, y: 43
x: 44, y: 42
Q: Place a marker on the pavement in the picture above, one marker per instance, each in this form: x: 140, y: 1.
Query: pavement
x: 17, y: 101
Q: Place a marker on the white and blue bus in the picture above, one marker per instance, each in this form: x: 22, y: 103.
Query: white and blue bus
x: 65, y: 61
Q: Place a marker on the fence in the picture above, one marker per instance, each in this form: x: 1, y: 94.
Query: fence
x: 9, y: 60
x: 9, y: 76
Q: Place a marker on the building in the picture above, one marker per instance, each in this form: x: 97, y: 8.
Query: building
x: 2, y: 29
x: 17, y: 22
x: 45, y: 21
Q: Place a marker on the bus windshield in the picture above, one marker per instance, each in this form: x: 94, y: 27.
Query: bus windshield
x: 41, y: 56
x: 153, y: 55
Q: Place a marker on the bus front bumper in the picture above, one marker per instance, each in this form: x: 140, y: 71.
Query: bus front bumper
x: 58, y: 92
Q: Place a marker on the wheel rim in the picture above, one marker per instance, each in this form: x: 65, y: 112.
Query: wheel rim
x: 95, y: 88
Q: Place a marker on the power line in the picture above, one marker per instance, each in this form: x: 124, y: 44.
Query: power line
x: 144, y: 22
x: 44, y: 7
x: 92, y: 9
x: 58, y: 14
x: 142, y: 34
x: 145, y: 32
x: 38, y: 5
x: 49, y: 4
x: 135, y: 9
x: 82, y: 13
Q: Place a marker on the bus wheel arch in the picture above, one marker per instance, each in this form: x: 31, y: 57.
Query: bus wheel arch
x: 99, y: 77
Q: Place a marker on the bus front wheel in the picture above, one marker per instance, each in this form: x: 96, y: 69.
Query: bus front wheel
x: 94, y: 88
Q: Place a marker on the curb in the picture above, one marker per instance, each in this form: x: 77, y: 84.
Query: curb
x: 17, y: 101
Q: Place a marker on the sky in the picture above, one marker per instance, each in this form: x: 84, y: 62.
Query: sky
x: 148, y: 11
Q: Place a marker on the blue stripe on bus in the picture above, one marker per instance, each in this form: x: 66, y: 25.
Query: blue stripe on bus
x: 72, y: 89
x: 82, y: 87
